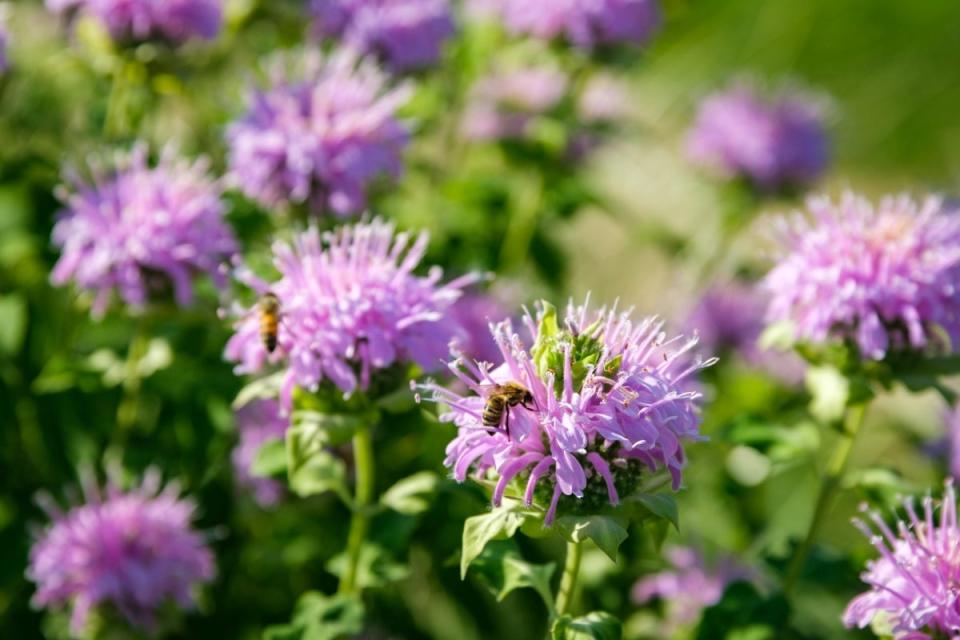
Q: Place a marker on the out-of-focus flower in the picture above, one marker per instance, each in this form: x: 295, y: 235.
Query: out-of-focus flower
x: 689, y: 587
x: 604, y: 99
x: 139, y: 230
x: 605, y: 402
x: 772, y: 143
x: 405, y: 34
x: 4, y: 38
x: 584, y: 23
x: 913, y: 582
x: 134, y: 551
x: 174, y: 21
x: 258, y: 422
x: 729, y: 317
x: 884, y: 277
x: 351, y: 305
x: 474, y: 312
x: 320, y: 135
x: 502, y: 105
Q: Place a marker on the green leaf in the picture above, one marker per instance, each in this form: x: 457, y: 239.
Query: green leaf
x: 829, y: 391
x: 504, y: 569
x: 320, y: 617
x: 596, y: 625
x: 321, y: 472
x: 271, y: 459
x: 412, y: 495
x: 13, y: 323
x: 500, y: 523
x: 264, y: 388
x: 313, y: 429
x: 547, y: 331
x: 661, y: 505
x: 376, y: 568
x: 605, y: 531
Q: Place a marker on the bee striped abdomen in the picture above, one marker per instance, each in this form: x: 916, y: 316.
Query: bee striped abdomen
x: 269, y: 321
x: 493, y: 411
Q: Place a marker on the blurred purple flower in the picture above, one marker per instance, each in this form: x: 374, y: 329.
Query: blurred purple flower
x: 4, y: 38
x: 174, y: 21
x: 502, y: 105
x: 772, y: 143
x: 605, y: 403
x: 585, y: 23
x: 474, y: 312
x: 405, y: 34
x: 138, y: 229
x: 133, y: 550
x: 322, y: 135
x: 882, y: 276
x: 690, y: 586
x: 258, y: 422
x: 729, y: 317
x: 913, y: 582
x: 350, y: 306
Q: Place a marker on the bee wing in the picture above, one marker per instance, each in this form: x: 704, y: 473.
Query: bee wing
x: 489, y: 388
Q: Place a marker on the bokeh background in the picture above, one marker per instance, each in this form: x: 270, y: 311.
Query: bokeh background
x: 889, y: 73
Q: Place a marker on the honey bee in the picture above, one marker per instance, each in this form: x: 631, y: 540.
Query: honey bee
x: 500, y: 399
x: 269, y: 309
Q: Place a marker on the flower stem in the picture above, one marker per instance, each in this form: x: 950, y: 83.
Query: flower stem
x: 129, y: 407
x: 568, y: 581
x: 359, y: 520
x: 833, y: 477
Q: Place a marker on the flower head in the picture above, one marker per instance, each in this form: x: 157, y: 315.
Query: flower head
x: 605, y: 401
x: 406, y: 34
x: 322, y: 135
x: 474, y: 312
x: 503, y: 105
x: 690, y: 586
x: 884, y: 277
x: 584, y: 23
x: 913, y: 584
x: 351, y: 305
x: 258, y: 422
x: 174, y: 21
x: 133, y: 550
x: 139, y: 229
x: 772, y: 143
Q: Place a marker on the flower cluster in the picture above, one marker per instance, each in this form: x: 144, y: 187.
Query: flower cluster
x: 138, y: 229
x: 351, y: 305
x: 913, y: 582
x: 689, y: 587
x: 606, y: 401
x: 174, y: 21
x: 884, y: 277
x: 320, y: 135
x: 258, y: 422
x: 405, y: 34
x: 773, y: 143
x: 585, y: 23
x: 134, y: 551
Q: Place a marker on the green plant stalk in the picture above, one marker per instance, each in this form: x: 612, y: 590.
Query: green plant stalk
x: 360, y: 518
x: 129, y: 405
x: 568, y: 581
x: 833, y: 478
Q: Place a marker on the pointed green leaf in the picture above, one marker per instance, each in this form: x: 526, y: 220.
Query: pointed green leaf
x: 413, y: 494
x: 264, y: 388
x: 605, y: 532
x: 271, y: 459
x: 321, y: 472
x: 320, y: 617
x: 597, y: 625
x: 518, y: 573
x: 376, y: 568
x: 662, y: 505
x: 502, y: 522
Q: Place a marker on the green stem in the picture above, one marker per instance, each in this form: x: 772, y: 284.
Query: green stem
x: 359, y: 520
x: 568, y: 581
x: 833, y: 478
x: 129, y: 405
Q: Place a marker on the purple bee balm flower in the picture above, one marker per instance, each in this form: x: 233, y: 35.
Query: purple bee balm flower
x: 474, y: 312
x: 729, y: 317
x: 913, y: 582
x: 772, y: 143
x: 134, y: 551
x: 503, y: 105
x: 690, y: 586
x: 351, y: 305
x: 258, y: 422
x: 140, y: 230
x: 173, y: 21
x: 585, y: 23
x: 405, y: 34
x: 884, y: 277
x: 321, y: 136
x: 605, y: 401
x: 953, y: 438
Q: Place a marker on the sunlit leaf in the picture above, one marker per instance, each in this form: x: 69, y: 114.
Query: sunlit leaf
x: 413, y: 494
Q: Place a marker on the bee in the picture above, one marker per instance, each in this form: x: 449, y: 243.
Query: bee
x: 500, y: 399
x: 269, y: 309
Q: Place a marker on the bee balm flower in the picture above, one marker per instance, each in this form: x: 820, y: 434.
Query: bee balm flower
x: 174, y: 21
x: 258, y: 422
x: 134, y: 551
x: 321, y: 137
x: 607, y: 402
x: 913, y: 582
x: 140, y: 230
x: 882, y: 276
x: 350, y: 306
